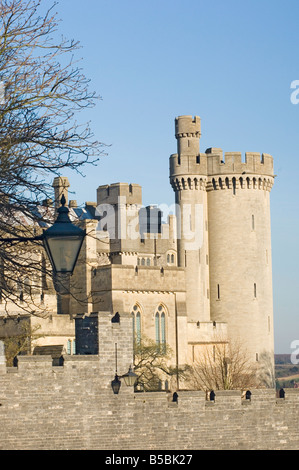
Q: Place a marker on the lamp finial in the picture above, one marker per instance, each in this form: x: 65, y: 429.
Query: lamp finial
x: 63, y: 200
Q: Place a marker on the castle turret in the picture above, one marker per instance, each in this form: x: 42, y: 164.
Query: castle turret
x: 188, y: 178
x: 240, y: 249
x: 224, y: 240
x: 118, y: 209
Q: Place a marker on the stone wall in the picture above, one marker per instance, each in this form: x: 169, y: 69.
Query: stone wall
x: 72, y: 406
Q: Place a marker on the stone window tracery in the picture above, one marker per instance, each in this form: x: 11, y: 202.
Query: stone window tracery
x: 160, y: 328
x: 136, y: 314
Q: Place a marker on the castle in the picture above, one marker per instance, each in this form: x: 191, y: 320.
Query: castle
x: 201, y: 277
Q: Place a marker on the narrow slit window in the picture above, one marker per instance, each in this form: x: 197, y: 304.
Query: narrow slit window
x: 218, y: 291
x: 252, y: 222
x: 254, y: 290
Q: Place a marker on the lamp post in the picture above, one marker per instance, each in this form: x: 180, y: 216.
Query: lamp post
x: 130, y: 377
x: 62, y: 242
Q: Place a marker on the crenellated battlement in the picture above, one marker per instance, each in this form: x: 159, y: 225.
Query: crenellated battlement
x: 211, y: 170
x: 109, y: 194
x: 187, y: 133
x: 255, y: 163
x: 188, y: 165
x: 72, y: 407
x: 187, y: 126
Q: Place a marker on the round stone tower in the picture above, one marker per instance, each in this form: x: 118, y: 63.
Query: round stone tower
x: 224, y: 241
x: 240, y: 250
x: 188, y: 179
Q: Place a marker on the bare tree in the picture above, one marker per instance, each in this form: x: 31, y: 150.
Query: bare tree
x: 151, y: 363
x: 42, y: 92
x: 222, y: 366
x: 20, y: 342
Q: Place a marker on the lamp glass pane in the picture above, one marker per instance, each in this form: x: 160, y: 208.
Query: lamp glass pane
x: 64, y: 252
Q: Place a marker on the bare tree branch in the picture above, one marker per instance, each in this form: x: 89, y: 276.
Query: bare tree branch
x: 43, y: 90
x: 224, y: 365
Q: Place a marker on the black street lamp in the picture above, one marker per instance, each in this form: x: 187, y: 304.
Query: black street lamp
x: 115, y: 384
x: 63, y: 242
x: 130, y: 377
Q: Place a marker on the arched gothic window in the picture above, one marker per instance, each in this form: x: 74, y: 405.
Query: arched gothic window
x: 160, y: 328
x: 136, y: 322
x: 234, y: 185
x: 170, y: 258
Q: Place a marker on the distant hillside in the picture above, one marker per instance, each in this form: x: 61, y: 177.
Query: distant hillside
x: 282, y: 358
x: 286, y: 373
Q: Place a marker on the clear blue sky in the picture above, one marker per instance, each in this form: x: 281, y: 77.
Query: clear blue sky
x: 230, y: 62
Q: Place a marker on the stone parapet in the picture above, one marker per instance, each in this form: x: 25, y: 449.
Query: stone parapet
x: 202, y: 167
x: 71, y: 408
x: 141, y: 278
